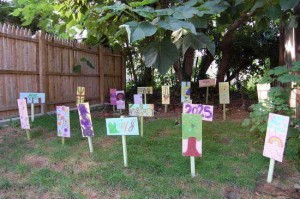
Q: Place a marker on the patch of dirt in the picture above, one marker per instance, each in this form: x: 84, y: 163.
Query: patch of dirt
x: 36, y: 161
x: 106, y: 142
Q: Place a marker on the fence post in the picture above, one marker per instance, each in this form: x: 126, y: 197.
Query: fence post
x: 101, y: 74
x: 123, y: 73
x: 42, y: 69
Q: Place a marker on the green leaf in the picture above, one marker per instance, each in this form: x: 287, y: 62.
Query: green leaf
x: 77, y: 68
x: 288, y: 4
x: 147, y: 12
x: 83, y: 59
x: 257, y: 5
x: 137, y: 31
x: 142, y: 3
x: 16, y: 12
x: 199, y: 22
x: 184, y: 12
x: 173, y: 24
x: 273, y: 12
x: 160, y: 55
x: 279, y: 70
x: 212, y: 7
x: 287, y: 78
x: 296, y: 67
x: 192, y: 2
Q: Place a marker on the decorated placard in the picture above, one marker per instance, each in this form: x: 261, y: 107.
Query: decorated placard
x: 207, y: 82
x: 33, y: 98
x: 122, y: 126
x: 137, y: 99
x: 23, y: 113
x: 224, y: 93
x: 80, y: 95
x: 63, y: 121
x: 191, y: 135
x: 112, y: 96
x: 206, y: 111
x: 145, y: 90
x: 165, y: 94
x: 185, y: 91
x: 120, y: 99
x: 276, y: 136
x: 85, y: 120
x: 262, y: 91
x: 145, y: 110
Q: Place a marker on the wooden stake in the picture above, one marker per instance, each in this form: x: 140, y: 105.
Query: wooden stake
x: 32, y: 112
x: 124, y: 151
x: 142, y: 128
x: 166, y: 108
x: 145, y: 98
x: 28, y: 134
x: 63, y: 141
x: 90, y: 144
x: 206, y: 100
x: 120, y: 111
x: 224, y: 112
x: 193, y: 169
x: 114, y: 108
x: 271, y: 170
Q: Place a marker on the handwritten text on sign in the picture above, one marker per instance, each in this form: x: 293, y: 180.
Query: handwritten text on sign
x: 122, y: 126
x: 206, y: 111
x: 145, y: 110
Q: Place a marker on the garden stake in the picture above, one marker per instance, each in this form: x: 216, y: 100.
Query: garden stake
x: 28, y: 134
x: 63, y: 141
x: 193, y: 170
x: 90, y: 144
x: 206, y: 100
x: 32, y: 111
x: 142, y: 121
x: 166, y: 108
x: 145, y: 97
x: 124, y: 151
x: 120, y: 110
x: 224, y: 112
x: 271, y: 170
x: 114, y: 108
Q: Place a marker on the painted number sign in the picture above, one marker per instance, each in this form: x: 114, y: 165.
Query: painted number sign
x: 63, y: 121
x: 145, y: 90
x: 185, y: 91
x: 80, y: 95
x: 33, y: 98
x: 122, y: 126
x: 191, y: 135
x: 207, y: 82
x: 224, y: 92
x: 262, y: 91
x: 276, y: 136
x: 206, y: 111
x: 165, y: 91
x: 23, y: 113
x: 85, y: 120
x: 146, y: 110
x: 112, y: 96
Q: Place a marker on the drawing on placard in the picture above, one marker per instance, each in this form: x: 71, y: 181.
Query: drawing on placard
x: 33, y: 98
x: 207, y: 82
x: 206, y: 111
x: 80, y: 95
x: 262, y: 91
x: 185, y: 91
x: 165, y: 92
x: 145, y: 110
x: 137, y: 99
x: 191, y: 135
x: 122, y: 126
x: 120, y: 99
x: 63, y: 121
x: 112, y: 96
x: 276, y: 136
x: 224, y: 93
x: 144, y: 90
x: 85, y: 120
x: 23, y: 113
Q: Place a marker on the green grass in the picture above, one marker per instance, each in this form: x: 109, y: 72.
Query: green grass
x: 232, y: 157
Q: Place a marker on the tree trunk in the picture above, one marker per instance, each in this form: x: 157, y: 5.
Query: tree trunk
x: 131, y: 64
x: 207, y: 59
x: 226, y: 47
x: 148, y: 76
x: 188, y: 63
x: 178, y: 70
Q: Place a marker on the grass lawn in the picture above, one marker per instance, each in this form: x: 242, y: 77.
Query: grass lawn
x: 43, y: 168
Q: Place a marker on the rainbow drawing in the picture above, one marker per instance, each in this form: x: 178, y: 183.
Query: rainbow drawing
x: 275, y: 139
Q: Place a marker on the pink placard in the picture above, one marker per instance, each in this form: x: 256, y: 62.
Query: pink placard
x: 276, y: 136
x: 113, y: 99
x: 24, y: 119
x: 137, y: 99
x: 206, y: 111
x: 120, y: 99
x: 63, y: 121
x: 207, y: 82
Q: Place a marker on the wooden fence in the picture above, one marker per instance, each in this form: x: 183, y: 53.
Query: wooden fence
x: 43, y: 63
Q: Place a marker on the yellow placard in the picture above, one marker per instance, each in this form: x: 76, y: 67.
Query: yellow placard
x: 80, y: 95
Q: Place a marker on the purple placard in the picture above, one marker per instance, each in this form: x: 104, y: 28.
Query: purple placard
x: 120, y: 99
x: 85, y: 120
x: 113, y: 99
x: 206, y: 111
x: 137, y: 99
